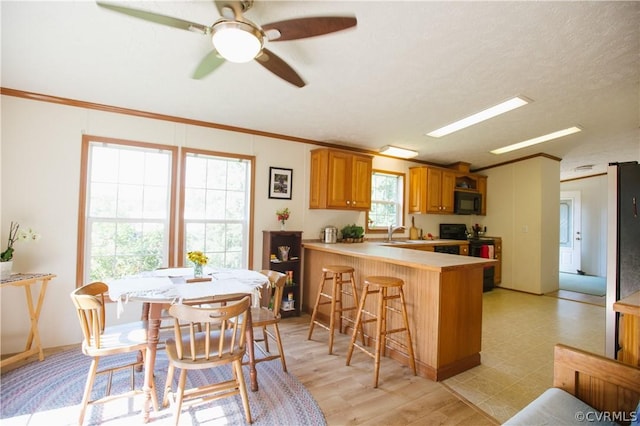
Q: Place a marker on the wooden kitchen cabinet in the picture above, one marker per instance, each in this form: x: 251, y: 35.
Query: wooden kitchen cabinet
x: 482, y: 188
x: 629, y: 333
x: 497, y: 255
x: 431, y: 190
x: 340, y: 180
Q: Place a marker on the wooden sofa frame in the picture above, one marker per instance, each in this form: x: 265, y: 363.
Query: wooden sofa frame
x: 603, y: 383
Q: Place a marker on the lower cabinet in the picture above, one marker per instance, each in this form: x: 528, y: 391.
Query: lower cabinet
x: 274, y: 246
x: 497, y: 255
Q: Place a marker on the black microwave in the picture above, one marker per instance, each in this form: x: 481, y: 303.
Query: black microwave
x: 467, y: 202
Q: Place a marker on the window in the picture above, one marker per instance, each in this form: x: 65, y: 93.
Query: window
x: 566, y: 207
x: 387, y: 200
x: 216, y: 208
x: 127, y: 208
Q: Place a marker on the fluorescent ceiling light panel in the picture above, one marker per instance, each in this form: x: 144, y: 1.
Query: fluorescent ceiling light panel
x: 539, y: 139
x: 398, y: 152
x: 488, y: 113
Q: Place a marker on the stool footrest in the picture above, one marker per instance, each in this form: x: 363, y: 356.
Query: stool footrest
x: 363, y: 349
x: 379, y: 286
x: 394, y: 330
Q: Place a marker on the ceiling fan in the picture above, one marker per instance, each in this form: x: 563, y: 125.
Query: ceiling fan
x: 237, y: 39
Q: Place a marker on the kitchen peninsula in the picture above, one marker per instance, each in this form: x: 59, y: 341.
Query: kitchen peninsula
x: 443, y: 295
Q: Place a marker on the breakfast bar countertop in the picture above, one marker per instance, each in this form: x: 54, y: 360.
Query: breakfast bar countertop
x: 443, y: 294
x: 395, y: 253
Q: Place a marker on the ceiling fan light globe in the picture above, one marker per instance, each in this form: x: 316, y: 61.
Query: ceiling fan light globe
x: 237, y: 41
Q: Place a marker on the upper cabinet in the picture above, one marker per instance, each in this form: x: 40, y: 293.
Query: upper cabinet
x: 340, y: 180
x: 432, y: 189
x: 482, y: 188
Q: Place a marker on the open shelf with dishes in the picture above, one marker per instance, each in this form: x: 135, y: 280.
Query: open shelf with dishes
x: 282, y: 252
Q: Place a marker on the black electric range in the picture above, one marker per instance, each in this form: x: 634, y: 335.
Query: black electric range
x: 478, y: 247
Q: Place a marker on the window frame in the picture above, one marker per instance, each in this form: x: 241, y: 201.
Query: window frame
x: 401, y: 212
x: 176, y: 232
x: 184, y: 153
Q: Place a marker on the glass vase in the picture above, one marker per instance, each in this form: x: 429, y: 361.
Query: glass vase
x: 282, y: 225
x: 197, y: 271
x: 6, y: 269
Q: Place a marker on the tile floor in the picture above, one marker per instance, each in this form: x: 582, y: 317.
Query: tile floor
x: 519, y: 331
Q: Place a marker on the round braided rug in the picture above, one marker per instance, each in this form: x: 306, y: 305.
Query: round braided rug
x: 49, y: 392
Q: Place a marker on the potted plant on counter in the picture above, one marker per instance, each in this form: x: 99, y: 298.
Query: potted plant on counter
x: 352, y: 234
x: 347, y: 236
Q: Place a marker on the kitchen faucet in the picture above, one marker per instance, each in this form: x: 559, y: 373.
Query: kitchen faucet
x: 393, y: 229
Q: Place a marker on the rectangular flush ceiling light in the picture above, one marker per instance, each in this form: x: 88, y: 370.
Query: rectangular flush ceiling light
x: 488, y: 113
x: 397, y: 152
x: 539, y: 139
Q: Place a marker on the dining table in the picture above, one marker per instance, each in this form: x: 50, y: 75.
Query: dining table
x: 159, y: 288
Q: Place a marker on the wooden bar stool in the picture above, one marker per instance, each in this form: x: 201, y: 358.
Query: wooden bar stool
x: 380, y: 286
x: 335, y: 299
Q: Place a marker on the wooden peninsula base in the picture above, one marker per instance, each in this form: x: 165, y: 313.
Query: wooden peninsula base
x: 443, y: 295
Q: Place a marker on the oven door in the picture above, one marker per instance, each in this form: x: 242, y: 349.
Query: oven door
x: 484, y: 248
x: 481, y: 248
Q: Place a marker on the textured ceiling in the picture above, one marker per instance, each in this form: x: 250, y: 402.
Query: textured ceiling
x: 408, y: 68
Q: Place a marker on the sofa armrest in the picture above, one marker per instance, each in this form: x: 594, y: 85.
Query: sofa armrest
x: 603, y: 383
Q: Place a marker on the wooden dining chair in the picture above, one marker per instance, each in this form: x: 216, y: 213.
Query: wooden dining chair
x: 102, y: 341
x: 268, y: 316
x: 221, y: 343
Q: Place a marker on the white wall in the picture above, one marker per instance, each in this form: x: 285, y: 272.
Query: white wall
x: 40, y: 158
x: 593, y: 201
x: 522, y: 207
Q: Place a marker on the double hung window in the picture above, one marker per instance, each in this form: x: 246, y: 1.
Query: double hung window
x: 387, y: 200
x: 130, y: 193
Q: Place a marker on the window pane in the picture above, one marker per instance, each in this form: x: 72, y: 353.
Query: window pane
x: 129, y: 201
x: 386, y: 200
x: 216, y: 205
x: 194, y: 203
x: 217, y: 174
x: 565, y: 223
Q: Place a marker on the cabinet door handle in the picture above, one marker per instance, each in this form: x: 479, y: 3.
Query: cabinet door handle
x: 348, y: 202
x: 635, y: 207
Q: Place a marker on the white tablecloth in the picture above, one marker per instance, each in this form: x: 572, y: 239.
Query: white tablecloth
x: 170, y: 286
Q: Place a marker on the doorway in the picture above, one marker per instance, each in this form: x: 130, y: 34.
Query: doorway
x: 570, y: 232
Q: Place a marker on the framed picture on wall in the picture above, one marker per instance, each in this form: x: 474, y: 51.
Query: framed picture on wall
x: 280, y: 183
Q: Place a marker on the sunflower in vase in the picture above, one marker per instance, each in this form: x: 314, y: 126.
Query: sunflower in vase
x: 199, y: 259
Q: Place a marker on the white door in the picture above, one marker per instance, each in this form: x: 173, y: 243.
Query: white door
x: 570, y: 232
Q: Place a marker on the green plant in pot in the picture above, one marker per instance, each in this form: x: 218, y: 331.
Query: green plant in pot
x: 347, y: 233
x: 352, y: 233
x: 358, y: 233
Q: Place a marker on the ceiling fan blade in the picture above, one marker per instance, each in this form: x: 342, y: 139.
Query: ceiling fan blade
x: 273, y: 63
x: 208, y: 64
x: 157, y: 18
x: 294, y: 29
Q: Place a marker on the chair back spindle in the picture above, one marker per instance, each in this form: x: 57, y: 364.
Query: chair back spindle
x: 223, y: 334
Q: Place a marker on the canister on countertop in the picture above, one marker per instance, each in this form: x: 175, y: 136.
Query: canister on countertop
x: 330, y: 235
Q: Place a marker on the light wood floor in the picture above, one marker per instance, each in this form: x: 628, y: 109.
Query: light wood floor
x: 518, y: 334
x: 346, y: 394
